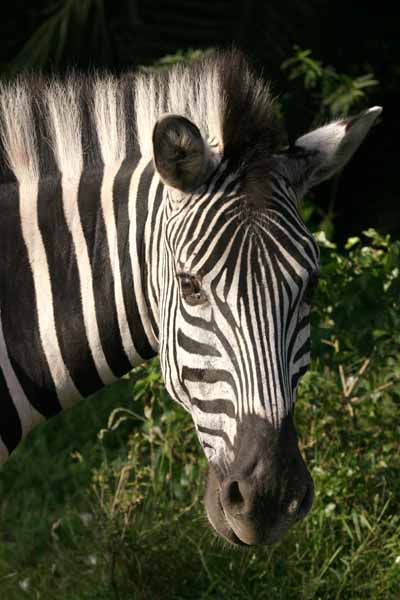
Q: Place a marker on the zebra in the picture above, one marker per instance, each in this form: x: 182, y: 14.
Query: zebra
x: 158, y: 213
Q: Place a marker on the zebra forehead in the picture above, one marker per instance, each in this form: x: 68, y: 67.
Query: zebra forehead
x: 225, y: 223
x: 238, y: 244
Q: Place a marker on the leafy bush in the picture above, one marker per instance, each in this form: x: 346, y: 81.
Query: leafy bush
x: 356, y: 321
x: 334, y: 94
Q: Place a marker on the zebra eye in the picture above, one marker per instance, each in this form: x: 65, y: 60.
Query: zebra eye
x: 191, y: 289
x: 311, y: 287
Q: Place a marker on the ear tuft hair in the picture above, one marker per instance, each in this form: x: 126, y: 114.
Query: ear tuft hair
x: 321, y: 153
x: 181, y: 156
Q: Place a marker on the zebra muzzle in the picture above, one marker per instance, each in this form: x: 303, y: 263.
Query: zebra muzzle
x: 267, y: 488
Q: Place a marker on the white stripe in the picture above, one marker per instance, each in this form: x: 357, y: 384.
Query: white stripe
x: 107, y: 205
x: 148, y: 234
x: 70, y: 188
x: 154, y: 260
x: 28, y: 415
x: 270, y: 388
x: 28, y: 194
x: 136, y: 267
x: 272, y: 335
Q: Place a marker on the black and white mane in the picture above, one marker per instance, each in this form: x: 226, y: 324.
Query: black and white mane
x: 49, y: 124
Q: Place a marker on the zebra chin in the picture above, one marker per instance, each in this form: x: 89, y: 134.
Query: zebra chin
x: 265, y: 490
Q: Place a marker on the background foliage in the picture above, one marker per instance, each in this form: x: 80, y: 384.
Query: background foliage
x: 104, y: 502
x: 351, y: 41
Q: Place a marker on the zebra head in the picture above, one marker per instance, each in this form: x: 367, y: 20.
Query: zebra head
x: 238, y: 268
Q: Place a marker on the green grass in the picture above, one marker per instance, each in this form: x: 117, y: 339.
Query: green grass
x: 118, y: 516
x: 73, y: 528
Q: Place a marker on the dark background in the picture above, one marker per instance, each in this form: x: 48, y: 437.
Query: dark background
x: 355, y: 38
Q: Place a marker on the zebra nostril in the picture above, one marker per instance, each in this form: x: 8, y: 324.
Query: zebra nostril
x: 234, y: 496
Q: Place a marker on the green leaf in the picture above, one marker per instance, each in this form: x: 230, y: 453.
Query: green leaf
x: 352, y: 241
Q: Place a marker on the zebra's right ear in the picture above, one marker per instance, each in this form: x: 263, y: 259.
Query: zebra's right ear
x: 181, y: 155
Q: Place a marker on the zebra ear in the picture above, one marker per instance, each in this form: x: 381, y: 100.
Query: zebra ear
x: 181, y: 156
x: 319, y: 154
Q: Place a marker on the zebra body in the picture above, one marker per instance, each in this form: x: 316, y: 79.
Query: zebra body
x: 159, y: 214
x: 60, y: 246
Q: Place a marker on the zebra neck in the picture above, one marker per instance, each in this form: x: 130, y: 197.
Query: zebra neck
x: 78, y: 285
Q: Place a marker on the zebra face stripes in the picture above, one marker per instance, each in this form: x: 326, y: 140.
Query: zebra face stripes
x: 239, y: 268
x: 234, y: 339
x: 242, y: 349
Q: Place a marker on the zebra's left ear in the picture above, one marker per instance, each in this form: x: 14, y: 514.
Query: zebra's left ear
x: 319, y: 154
x: 181, y: 155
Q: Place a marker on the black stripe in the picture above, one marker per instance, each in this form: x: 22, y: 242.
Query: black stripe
x: 250, y: 309
x: 304, y: 349
x: 296, y: 229
x: 201, y: 243
x: 121, y: 200
x: 19, y: 312
x: 216, y: 433
x: 207, y: 376
x: 211, y: 207
x: 65, y: 287
x: 216, y: 406
x: 305, y: 322
x: 185, y: 226
x: 193, y: 320
x: 194, y: 346
x: 279, y: 318
x: 91, y: 149
x: 261, y: 319
x: 10, y: 425
x: 271, y: 349
x: 225, y: 310
x: 155, y: 251
x: 170, y: 314
x: 142, y: 215
x: 297, y: 376
x: 218, y: 248
x: 103, y: 281
x: 276, y: 235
